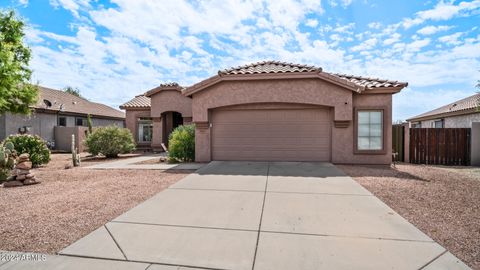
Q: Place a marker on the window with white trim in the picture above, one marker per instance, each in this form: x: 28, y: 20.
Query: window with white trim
x: 145, y: 129
x: 370, y: 130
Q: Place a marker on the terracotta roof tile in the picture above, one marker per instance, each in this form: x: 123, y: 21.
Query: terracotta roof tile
x: 269, y: 67
x: 370, y: 83
x: 140, y: 101
x: 162, y: 87
x: 58, y: 99
x: 467, y: 103
x: 283, y: 67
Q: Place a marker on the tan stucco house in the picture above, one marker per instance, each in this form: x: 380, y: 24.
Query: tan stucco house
x: 273, y: 111
x: 57, y: 115
x: 459, y: 114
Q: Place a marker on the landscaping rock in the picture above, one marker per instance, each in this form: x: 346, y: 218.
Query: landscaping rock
x: 21, y: 173
x: 24, y: 165
x: 30, y: 182
x: 13, y: 183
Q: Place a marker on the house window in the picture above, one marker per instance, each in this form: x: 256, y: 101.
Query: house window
x: 145, y: 130
x: 79, y: 121
x: 62, y: 121
x: 439, y: 124
x: 417, y: 125
x: 370, y: 130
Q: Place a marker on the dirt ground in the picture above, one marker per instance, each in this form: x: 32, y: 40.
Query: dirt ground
x: 70, y: 203
x: 443, y: 202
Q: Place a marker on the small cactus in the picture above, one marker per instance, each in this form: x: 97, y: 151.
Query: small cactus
x: 7, y: 160
x: 75, y: 155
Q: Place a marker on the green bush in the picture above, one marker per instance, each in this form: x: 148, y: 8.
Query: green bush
x: 110, y: 141
x: 35, y: 146
x: 181, y: 144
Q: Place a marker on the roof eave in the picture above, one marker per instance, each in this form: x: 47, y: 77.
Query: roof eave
x: 441, y: 115
x: 384, y: 90
x: 271, y: 76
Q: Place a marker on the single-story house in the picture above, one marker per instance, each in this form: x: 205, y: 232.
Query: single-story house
x: 273, y: 111
x: 458, y: 114
x: 57, y: 115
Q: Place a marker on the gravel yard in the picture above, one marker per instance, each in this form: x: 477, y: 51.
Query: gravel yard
x: 70, y: 203
x: 443, y: 202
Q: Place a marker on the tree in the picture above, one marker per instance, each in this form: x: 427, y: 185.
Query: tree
x: 17, y: 94
x: 72, y: 91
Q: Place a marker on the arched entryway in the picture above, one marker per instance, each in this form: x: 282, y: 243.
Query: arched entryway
x: 171, y: 120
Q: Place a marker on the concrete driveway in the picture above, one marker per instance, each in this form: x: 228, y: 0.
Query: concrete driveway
x: 264, y: 215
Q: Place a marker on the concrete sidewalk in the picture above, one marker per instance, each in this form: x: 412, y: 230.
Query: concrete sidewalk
x: 261, y: 215
x: 129, y: 164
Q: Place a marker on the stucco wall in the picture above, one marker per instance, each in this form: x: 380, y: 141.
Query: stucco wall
x: 462, y: 121
x: 42, y: 124
x: 63, y: 137
x: 97, y: 122
x: 343, y: 138
x: 459, y: 121
x: 305, y: 91
x: 170, y: 100
x: 301, y: 91
x: 131, y: 117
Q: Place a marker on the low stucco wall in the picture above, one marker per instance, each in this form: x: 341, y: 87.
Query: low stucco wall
x: 299, y: 91
x: 63, y: 138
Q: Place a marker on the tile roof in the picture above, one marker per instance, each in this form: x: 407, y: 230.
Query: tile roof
x: 162, y: 87
x: 140, y: 101
x: 468, y: 103
x: 370, y: 83
x: 58, y: 99
x: 269, y: 67
x: 277, y: 67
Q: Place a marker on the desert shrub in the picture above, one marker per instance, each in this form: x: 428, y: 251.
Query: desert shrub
x: 110, y: 141
x: 35, y: 146
x: 181, y: 144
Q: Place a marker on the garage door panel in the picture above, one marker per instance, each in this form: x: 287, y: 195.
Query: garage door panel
x: 273, y: 134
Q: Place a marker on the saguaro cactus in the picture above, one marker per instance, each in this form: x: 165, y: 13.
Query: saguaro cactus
x: 75, y: 155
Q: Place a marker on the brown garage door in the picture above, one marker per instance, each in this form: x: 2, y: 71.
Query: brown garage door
x: 271, y: 134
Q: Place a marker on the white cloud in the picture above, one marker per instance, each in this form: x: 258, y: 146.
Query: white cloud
x: 451, y: 39
x: 375, y: 25
x: 395, y: 37
x: 417, y: 45
x: 312, y: 23
x: 365, y: 45
x: 441, y: 11
x: 23, y: 2
x: 343, y: 3
x: 430, y: 30
x: 71, y: 5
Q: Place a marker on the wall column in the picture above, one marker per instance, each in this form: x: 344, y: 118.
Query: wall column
x: 202, y: 142
x: 475, y: 144
x: 157, y: 134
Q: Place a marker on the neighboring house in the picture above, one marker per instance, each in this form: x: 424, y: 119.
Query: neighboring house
x: 459, y: 114
x: 57, y: 115
x: 273, y: 111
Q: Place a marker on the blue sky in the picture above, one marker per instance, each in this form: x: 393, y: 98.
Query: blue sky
x: 114, y: 50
